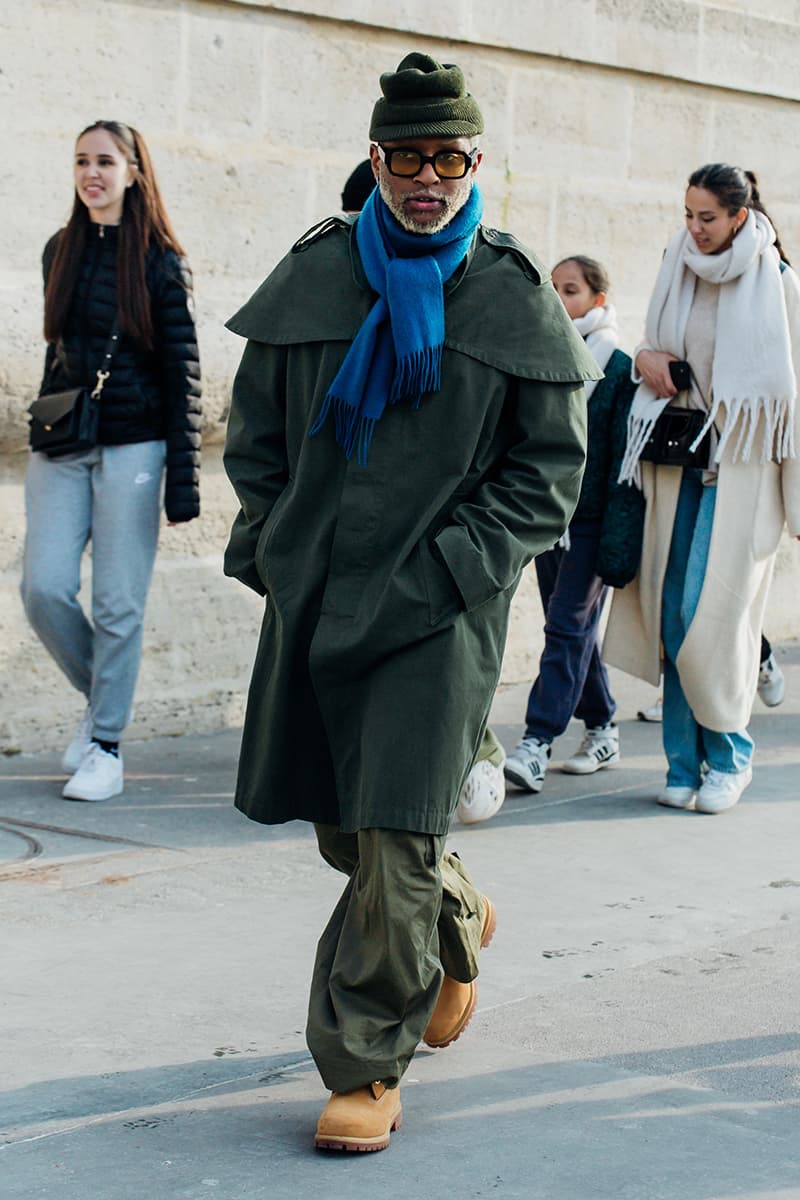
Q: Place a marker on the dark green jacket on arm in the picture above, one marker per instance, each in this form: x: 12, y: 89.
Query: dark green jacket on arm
x: 388, y: 586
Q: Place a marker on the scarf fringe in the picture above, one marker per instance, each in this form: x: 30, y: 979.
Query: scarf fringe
x: 640, y: 427
x: 416, y: 374
x: 353, y: 431
x: 741, y: 421
x: 745, y: 413
x: 323, y: 416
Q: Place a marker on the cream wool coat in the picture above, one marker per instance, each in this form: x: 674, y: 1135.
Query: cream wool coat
x: 718, y: 661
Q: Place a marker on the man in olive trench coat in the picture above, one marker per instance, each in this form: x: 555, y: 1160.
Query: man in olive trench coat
x: 407, y: 431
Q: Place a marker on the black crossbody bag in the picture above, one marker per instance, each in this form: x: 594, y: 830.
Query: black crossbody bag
x: 68, y: 422
x: 676, y: 430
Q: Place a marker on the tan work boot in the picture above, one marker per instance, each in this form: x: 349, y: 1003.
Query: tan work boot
x: 457, y: 1001
x: 359, y: 1120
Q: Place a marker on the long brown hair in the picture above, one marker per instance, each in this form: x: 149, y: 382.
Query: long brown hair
x: 144, y: 221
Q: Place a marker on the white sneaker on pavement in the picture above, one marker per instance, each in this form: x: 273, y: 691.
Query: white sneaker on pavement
x: 599, y: 748
x: 483, y: 793
x: 99, y: 777
x: 771, y: 683
x: 673, y: 796
x: 81, y: 741
x: 722, y: 790
x: 654, y: 713
x: 526, y: 765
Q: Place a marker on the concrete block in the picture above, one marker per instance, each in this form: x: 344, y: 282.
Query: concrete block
x: 656, y: 36
x: 525, y: 634
x: 23, y: 358
x: 321, y: 81
x: 448, y: 19
x: 227, y: 76
x: 626, y: 227
x: 522, y: 206
x: 773, y: 10
x: 125, y: 62
x: 563, y: 131
x: 255, y: 203
x: 761, y: 135
x: 538, y: 27
x: 742, y: 50
x: 671, y: 134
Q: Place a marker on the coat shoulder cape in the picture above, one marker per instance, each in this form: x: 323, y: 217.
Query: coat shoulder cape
x: 502, y: 310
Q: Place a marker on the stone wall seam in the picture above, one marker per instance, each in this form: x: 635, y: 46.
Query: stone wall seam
x: 456, y: 40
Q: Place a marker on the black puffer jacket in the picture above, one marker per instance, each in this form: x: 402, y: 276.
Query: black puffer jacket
x: 149, y: 394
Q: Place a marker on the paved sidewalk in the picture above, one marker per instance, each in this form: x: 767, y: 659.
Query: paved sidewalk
x: 638, y: 1031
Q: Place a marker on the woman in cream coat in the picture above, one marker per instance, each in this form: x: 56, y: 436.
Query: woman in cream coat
x: 725, y: 300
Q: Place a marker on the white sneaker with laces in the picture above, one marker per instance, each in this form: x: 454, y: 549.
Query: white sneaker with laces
x: 673, y: 796
x: 81, y: 741
x: 599, y: 748
x: 771, y: 683
x: 99, y: 777
x: 483, y: 793
x: 722, y: 790
x: 526, y: 765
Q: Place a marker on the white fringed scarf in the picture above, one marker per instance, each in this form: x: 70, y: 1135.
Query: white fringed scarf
x: 752, y: 371
x: 598, y: 328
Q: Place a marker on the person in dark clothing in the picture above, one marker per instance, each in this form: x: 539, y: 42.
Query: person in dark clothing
x: 407, y: 430
x: 116, y: 268
x: 600, y: 548
x: 357, y: 189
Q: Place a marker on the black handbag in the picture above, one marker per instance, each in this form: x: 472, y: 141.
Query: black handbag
x: 68, y: 422
x: 673, y: 434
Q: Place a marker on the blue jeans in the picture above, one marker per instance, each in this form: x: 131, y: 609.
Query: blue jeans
x: 572, y: 679
x: 111, y: 496
x: 686, y: 743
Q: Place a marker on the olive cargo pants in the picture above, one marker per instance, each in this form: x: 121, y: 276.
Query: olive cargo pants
x: 409, y: 914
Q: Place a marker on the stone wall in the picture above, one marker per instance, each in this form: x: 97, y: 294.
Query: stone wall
x: 255, y: 113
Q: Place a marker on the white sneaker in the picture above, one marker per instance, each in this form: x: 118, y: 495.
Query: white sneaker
x: 81, y: 741
x: 654, y: 713
x: 676, y: 797
x: 722, y: 790
x: 599, y: 748
x: 99, y: 777
x: 526, y: 765
x: 483, y: 793
x: 771, y: 683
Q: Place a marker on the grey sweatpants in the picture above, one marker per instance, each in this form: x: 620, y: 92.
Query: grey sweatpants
x: 110, y: 495
x: 408, y: 914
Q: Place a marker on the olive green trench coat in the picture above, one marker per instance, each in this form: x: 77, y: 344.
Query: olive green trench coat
x: 388, y: 586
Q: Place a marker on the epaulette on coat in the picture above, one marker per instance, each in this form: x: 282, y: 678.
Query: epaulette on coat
x: 322, y: 229
x: 531, y: 266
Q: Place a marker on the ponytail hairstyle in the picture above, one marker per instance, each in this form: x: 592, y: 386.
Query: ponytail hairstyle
x: 734, y: 188
x: 593, y: 272
x: 144, y: 223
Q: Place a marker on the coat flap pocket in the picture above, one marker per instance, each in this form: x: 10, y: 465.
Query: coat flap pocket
x: 47, y: 410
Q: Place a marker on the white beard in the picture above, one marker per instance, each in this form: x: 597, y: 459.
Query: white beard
x: 452, y: 203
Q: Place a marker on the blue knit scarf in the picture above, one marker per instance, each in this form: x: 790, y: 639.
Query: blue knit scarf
x: 397, y: 352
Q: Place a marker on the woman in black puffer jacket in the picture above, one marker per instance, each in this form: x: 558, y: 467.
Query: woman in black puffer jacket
x: 117, y: 260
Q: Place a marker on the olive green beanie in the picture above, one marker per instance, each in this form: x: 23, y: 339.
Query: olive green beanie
x: 424, y: 98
